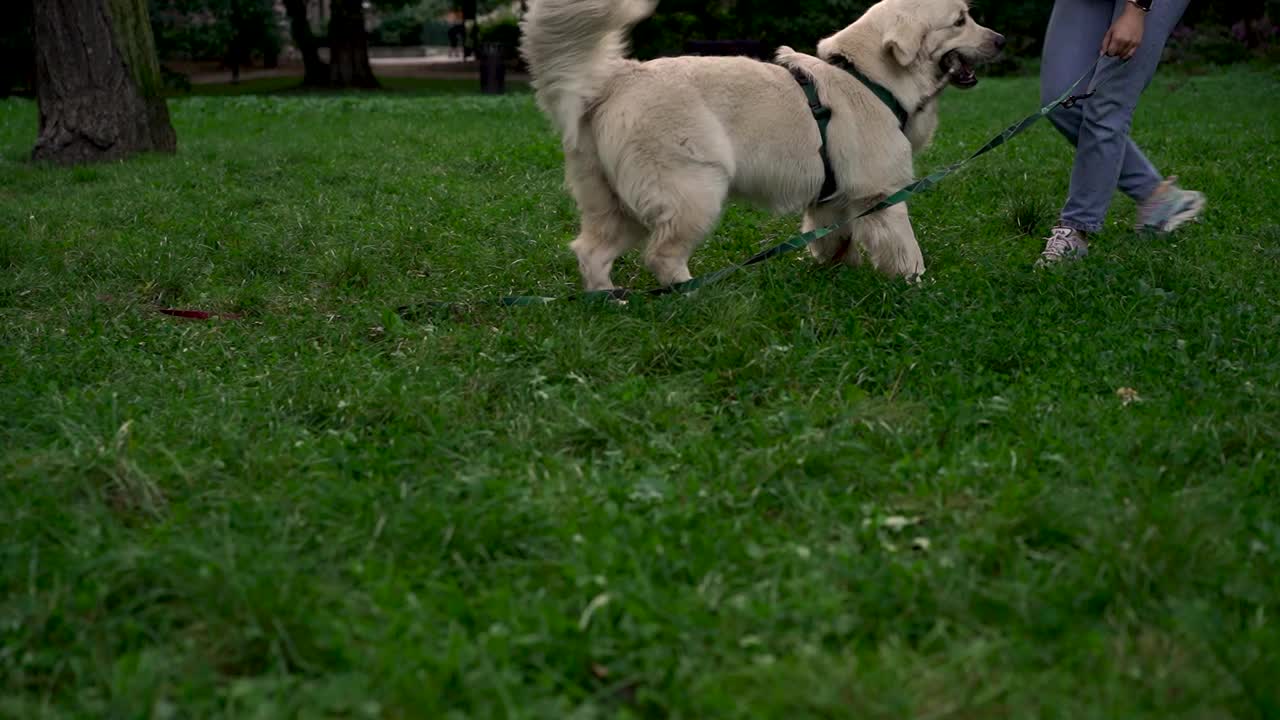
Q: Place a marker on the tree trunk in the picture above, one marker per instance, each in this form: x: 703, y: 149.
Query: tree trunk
x: 315, y: 71
x: 349, y: 47
x: 98, y: 82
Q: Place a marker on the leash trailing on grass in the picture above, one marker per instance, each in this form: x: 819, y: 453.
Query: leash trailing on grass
x: 1066, y: 99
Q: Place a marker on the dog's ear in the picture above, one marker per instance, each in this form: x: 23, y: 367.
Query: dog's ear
x: 903, y: 38
x: 826, y: 46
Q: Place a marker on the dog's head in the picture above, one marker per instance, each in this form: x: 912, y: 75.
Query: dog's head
x: 940, y: 33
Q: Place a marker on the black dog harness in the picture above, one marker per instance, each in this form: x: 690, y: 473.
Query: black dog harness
x: 822, y: 114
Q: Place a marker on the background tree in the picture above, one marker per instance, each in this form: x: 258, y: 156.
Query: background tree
x: 97, y: 82
x: 315, y: 70
x: 250, y: 25
x: 349, y: 46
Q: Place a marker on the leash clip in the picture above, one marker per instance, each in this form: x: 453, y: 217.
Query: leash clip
x: 1075, y: 99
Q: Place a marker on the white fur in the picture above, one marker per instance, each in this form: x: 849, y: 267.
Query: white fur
x: 653, y: 150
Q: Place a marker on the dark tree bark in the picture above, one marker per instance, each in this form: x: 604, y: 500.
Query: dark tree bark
x: 315, y: 71
x: 98, y: 82
x: 349, y: 47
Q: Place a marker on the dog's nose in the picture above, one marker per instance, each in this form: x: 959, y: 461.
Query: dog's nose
x: 999, y: 41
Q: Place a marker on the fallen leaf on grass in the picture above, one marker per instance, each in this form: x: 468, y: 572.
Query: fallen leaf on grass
x: 197, y: 314
x: 1128, y: 396
x: 894, y: 523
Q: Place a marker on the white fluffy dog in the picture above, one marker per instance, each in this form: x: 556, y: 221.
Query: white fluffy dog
x: 652, y: 150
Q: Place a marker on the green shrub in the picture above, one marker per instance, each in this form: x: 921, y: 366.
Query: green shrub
x: 401, y: 28
x: 1212, y: 44
x: 216, y: 30
x: 801, y: 23
x: 507, y: 33
x: 666, y: 33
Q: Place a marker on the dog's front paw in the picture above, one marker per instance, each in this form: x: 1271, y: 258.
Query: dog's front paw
x: 831, y: 249
x: 917, y: 278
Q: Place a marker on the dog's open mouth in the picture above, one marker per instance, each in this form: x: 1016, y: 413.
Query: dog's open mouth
x: 959, y: 70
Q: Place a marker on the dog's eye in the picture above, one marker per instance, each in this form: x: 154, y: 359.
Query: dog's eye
x: 961, y: 21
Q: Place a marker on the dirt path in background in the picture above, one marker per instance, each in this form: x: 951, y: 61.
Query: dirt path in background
x: 421, y: 67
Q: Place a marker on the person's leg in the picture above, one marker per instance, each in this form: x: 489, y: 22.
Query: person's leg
x: 1101, y: 147
x: 1072, y: 44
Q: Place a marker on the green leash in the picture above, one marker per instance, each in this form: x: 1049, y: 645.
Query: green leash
x: 1067, y: 99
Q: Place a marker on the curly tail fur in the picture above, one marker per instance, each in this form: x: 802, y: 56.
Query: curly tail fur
x: 571, y: 47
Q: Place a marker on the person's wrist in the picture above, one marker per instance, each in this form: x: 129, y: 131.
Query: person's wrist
x: 1134, y: 12
x: 1142, y: 7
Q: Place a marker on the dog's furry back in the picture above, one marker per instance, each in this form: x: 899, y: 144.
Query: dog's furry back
x: 571, y: 47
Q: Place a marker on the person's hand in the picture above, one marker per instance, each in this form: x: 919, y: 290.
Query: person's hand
x: 1125, y: 36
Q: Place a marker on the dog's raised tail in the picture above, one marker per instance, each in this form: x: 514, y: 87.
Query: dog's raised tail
x: 571, y: 47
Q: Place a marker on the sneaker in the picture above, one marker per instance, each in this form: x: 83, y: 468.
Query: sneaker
x: 1169, y: 208
x: 1064, y: 243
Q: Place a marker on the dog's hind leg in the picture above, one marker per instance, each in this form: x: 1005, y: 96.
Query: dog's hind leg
x: 890, y: 242
x: 606, y: 230
x: 680, y: 212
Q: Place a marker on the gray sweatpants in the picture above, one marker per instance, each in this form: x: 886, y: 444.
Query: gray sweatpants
x: 1106, y: 159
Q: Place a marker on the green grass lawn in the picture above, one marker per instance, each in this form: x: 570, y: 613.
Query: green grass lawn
x: 686, y: 507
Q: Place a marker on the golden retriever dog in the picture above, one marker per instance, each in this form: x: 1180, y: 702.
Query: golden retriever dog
x: 654, y: 149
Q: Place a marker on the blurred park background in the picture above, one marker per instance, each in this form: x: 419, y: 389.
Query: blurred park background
x: 217, y: 41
